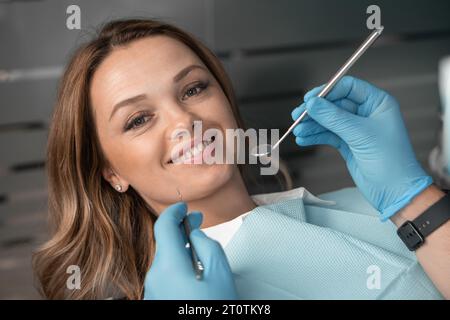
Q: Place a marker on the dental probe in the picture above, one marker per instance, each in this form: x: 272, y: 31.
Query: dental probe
x: 196, y: 263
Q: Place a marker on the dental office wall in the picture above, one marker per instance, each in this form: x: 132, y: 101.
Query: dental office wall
x: 274, y: 52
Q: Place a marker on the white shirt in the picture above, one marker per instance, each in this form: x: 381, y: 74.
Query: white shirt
x: 225, y: 231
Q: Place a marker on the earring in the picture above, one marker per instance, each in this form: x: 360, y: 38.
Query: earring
x: 118, y: 187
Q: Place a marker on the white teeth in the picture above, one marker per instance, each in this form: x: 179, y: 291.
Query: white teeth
x: 193, y: 152
x: 198, y: 149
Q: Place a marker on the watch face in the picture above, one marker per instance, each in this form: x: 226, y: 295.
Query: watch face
x: 410, y: 235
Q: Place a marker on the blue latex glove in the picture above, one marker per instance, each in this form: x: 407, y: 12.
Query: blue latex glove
x: 171, y: 275
x: 365, y: 124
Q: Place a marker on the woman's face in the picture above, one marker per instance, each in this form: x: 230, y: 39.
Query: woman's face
x: 139, y: 102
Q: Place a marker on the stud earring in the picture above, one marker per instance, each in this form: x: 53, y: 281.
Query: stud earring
x: 118, y: 187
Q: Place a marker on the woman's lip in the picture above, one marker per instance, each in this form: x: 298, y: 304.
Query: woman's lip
x: 189, y: 146
x: 198, y: 158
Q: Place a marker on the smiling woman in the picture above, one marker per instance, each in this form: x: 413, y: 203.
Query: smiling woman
x: 141, y: 94
x: 121, y: 97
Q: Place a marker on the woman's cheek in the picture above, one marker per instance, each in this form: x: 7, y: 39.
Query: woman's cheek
x: 144, y: 156
x: 135, y: 158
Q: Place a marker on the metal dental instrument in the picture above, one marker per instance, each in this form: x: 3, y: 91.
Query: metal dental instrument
x: 331, y: 83
x: 196, y: 263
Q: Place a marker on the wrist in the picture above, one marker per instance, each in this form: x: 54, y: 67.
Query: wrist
x: 415, y: 188
x: 418, y: 205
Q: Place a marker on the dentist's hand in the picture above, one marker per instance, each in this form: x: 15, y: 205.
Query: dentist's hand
x: 172, y: 276
x: 365, y: 124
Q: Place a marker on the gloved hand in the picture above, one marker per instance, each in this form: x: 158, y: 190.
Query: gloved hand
x: 365, y: 124
x: 171, y: 275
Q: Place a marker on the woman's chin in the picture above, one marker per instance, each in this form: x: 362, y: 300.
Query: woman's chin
x: 203, y: 177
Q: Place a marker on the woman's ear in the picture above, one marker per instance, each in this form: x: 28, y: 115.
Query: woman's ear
x: 114, y: 180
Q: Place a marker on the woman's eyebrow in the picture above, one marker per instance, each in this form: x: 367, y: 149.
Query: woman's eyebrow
x: 127, y: 102
x: 184, y: 72
x: 180, y: 75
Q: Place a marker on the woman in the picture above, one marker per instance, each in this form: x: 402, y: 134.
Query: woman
x: 111, y: 172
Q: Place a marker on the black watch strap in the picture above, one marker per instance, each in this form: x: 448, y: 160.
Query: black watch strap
x: 413, y: 233
x: 434, y: 217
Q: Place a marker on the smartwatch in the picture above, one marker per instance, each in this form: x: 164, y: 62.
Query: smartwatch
x: 413, y: 233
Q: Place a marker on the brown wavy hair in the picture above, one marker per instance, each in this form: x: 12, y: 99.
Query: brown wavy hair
x: 109, y: 235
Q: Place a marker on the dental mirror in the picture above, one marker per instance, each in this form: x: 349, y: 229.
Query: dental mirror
x: 327, y: 88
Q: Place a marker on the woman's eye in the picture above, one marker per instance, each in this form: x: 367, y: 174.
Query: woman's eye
x: 195, y: 90
x: 137, y: 121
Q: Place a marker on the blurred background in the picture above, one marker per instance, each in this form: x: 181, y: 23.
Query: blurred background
x: 274, y: 51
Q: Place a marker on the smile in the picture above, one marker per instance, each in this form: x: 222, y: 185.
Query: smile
x: 188, y: 154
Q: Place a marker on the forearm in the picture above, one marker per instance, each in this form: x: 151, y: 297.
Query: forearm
x: 434, y: 254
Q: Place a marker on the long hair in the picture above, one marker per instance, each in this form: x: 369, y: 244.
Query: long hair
x: 108, y: 235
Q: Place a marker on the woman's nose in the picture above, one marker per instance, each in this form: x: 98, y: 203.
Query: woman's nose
x: 180, y: 122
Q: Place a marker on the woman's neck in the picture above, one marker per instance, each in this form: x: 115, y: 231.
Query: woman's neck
x: 217, y: 208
